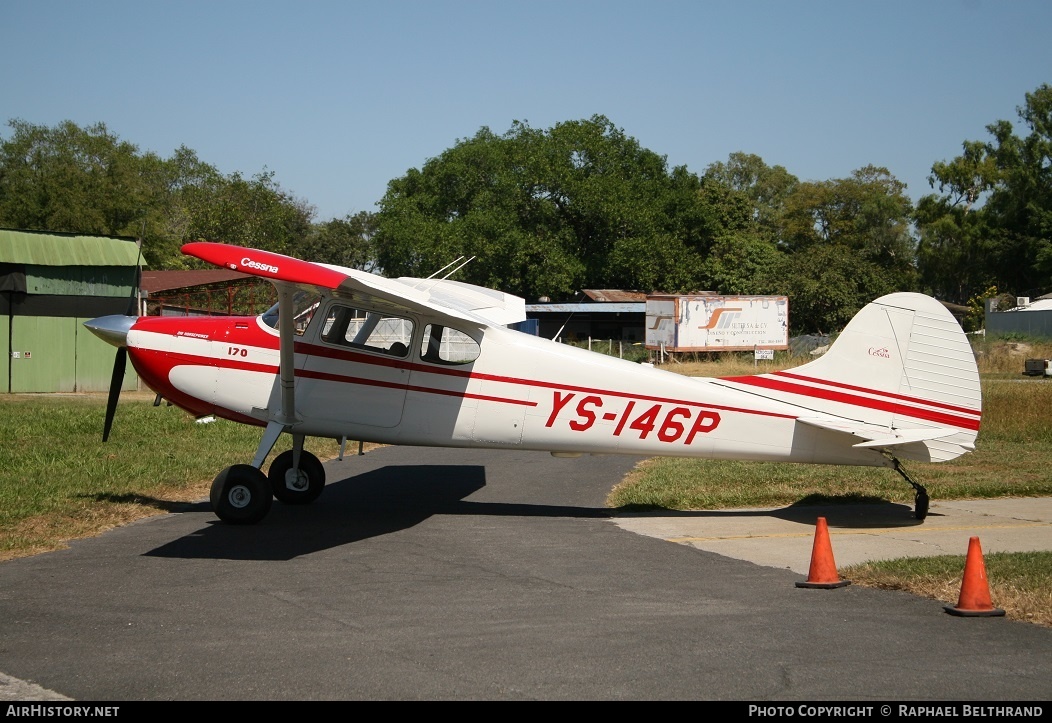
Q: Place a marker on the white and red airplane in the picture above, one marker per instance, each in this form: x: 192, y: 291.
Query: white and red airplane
x: 345, y: 354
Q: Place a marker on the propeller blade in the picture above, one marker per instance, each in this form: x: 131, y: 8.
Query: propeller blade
x: 120, y: 361
x: 114, y: 330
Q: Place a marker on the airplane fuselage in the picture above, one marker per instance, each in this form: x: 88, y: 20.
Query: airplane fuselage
x: 431, y: 362
x: 518, y: 391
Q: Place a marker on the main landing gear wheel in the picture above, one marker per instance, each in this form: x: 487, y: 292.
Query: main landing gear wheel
x: 241, y: 495
x: 297, y: 486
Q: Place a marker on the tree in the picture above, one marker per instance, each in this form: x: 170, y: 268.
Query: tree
x: 827, y: 285
x: 952, y: 252
x: 766, y: 187
x: 547, y: 213
x: 345, y: 242
x: 848, y: 241
x: 255, y: 212
x: 87, y: 180
x: 868, y: 213
x: 71, y: 179
x: 740, y: 263
x: 995, y: 210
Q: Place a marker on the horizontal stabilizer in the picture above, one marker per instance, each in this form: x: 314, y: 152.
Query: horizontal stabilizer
x: 877, y: 436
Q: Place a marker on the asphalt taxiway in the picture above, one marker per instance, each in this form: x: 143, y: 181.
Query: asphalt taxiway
x: 431, y: 574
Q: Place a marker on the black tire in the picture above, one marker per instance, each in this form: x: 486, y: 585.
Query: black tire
x: 921, y: 503
x: 241, y: 495
x: 309, y: 483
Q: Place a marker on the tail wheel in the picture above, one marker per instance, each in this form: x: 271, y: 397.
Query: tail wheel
x: 297, y: 486
x: 241, y: 495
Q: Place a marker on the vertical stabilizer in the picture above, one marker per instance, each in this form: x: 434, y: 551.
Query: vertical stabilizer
x: 901, y: 375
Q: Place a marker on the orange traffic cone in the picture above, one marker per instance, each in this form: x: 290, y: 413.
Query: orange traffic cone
x: 823, y: 572
x: 975, y: 591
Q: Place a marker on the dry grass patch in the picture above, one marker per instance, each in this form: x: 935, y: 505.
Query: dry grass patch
x: 1020, y: 583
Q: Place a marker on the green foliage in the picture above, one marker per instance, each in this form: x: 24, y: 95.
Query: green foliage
x: 868, y: 213
x: 345, y: 242
x: 255, y: 212
x: 827, y: 285
x: 740, y: 263
x: 583, y: 205
x: 975, y: 319
x: 765, y: 187
x: 87, y: 180
x: 954, y: 242
x: 847, y: 243
x: 547, y: 213
x: 992, y: 225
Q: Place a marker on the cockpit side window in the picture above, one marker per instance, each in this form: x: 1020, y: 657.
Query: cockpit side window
x: 304, y: 304
x: 367, y: 330
x: 445, y: 345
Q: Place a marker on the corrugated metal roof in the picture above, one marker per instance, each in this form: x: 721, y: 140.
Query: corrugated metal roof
x: 155, y: 281
x: 606, y: 308
x: 61, y: 249
x: 614, y: 295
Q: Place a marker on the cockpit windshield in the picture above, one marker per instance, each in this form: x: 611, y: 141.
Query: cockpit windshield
x: 304, y: 304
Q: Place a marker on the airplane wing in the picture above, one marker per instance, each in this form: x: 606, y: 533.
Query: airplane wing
x: 496, y: 307
x: 450, y: 298
x: 879, y: 437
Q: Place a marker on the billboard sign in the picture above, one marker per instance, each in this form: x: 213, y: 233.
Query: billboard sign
x: 678, y: 323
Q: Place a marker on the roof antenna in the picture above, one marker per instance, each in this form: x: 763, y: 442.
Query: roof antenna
x: 556, y: 336
x: 420, y: 282
x: 459, y: 267
x: 432, y: 276
x: 458, y: 258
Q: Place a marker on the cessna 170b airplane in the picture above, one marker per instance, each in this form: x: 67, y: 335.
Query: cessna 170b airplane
x: 345, y: 354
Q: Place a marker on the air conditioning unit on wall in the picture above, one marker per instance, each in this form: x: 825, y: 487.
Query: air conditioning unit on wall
x: 1022, y: 301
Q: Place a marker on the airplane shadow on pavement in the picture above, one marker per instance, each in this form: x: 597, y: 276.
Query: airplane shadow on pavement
x: 371, y: 504
x: 869, y: 514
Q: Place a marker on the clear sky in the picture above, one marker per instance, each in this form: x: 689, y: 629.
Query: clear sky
x: 338, y: 97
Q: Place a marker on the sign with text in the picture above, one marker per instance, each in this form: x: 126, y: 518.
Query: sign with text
x: 703, y: 322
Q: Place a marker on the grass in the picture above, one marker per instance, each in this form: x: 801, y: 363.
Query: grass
x: 1020, y: 583
x: 58, y: 481
x: 1012, y: 459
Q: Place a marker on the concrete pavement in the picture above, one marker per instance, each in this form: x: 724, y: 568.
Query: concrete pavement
x: 783, y: 537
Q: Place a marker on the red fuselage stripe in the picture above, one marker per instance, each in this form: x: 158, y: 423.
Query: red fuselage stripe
x: 858, y: 401
x: 343, y: 379
x: 353, y: 356
x: 890, y: 395
x: 177, y: 359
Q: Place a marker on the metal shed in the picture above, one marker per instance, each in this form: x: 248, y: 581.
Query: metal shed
x: 596, y: 314
x: 50, y: 283
x: 1027, y: 318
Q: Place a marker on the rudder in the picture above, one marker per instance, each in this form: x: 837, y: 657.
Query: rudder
x: 901, y: 376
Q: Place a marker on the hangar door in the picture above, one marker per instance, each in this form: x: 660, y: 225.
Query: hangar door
x: 55, y: 354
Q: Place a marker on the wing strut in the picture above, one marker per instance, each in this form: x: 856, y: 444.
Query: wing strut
x: 286, y: 416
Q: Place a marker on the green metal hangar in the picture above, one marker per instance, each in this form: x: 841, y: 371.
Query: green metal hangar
x: 50, y: 283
